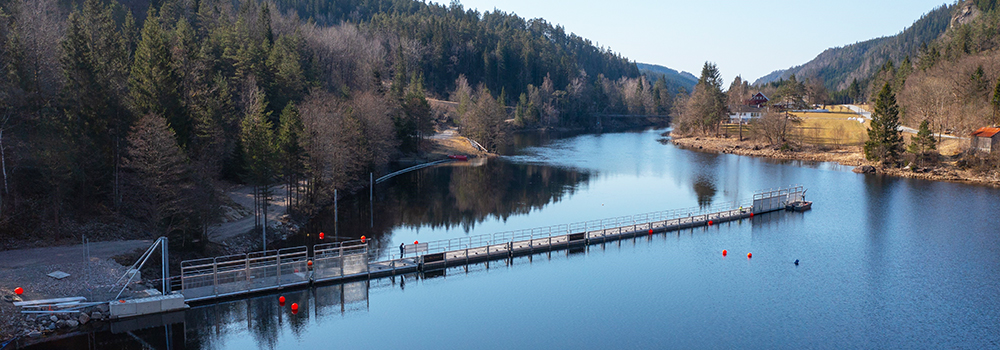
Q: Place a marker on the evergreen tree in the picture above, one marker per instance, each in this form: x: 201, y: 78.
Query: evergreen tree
x: 707, y: 105
x: 154, y: 83
x: 162, y: 172
x: 995, y: 103
x: 94, y: 63
x: 260, y: 154
x: 923, y: 143
x: 289, y: 146
x: 884, y: 140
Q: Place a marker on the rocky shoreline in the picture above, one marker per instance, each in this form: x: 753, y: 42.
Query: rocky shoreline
x: 847, y: 156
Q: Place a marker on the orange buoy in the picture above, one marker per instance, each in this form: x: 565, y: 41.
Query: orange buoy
x: 321, y: 235
x: 18, y: 290
x: 749, y: 255
x: 362, y: 239
x: 120, y: 301
x: 309, y: 263
x: 281, y: 300
x: 724, y: 252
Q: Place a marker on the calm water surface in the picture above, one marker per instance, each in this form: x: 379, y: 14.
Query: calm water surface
x: 885, y: 262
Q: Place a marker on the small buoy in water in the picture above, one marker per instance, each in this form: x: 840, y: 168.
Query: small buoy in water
x: 121, y: 301
x: 295, y: 308
x: 709, y: 222
x: 749, y: 255
x: 751, y: 214
x: 796, y: 262
x: 309, y: 263
x: 416, y: 242
x: 281, y: 300
x: 363, y: 239
x: 724, y: 252
x: 18, y: 290
x: 321, y: 235
x: 650, y: 231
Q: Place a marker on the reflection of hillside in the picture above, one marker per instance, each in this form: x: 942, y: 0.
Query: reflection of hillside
x: 497, y: 190
x: 447, y: 197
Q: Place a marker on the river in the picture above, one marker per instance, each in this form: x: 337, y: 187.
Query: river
x: 884, y: 262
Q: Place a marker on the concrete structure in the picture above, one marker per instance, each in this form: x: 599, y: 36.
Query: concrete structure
x: 986, y: 140
x: 146, y: 306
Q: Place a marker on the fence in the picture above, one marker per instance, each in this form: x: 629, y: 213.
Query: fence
x: 653, y: 220
x: 776, y: 199
x: 246, y: 273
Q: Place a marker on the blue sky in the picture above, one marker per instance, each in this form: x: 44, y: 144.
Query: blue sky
x: 748, y: 38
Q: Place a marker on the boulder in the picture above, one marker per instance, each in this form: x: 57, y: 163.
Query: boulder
x: 865, y: 169
x: 96, y: 315
x: 72, y: 323
x: 54, y: 318
x: 83, y: 318
x: 60, y: 324
x: 34, y: 334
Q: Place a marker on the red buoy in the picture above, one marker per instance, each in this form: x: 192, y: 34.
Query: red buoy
x: 751, y: 214
x: 121, y: 301
x: 650, y: 231
x: 362, y: 239
x: 724, y: 252
x: 321, y: 235
x: 709, y: 222
x: 309, y: 263
x: 416, y: 242
x: 749, y: 255
x: 295, y: 307
x: 18, y: 290
x: 281, y: 300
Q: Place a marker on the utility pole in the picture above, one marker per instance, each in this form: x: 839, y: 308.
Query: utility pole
x: 336, y: 215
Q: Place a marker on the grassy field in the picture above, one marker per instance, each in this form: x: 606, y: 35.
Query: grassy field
x: 831, y: 129
x: 824, y: 129
x: 839, y: 127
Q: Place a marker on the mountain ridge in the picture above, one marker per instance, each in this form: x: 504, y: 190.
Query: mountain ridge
x: 839, y: 66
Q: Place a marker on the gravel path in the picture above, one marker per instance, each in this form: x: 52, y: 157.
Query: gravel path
x: 28, y: 269
x: 244, y: 197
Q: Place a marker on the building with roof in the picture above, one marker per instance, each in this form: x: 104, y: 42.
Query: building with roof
x: 986, y: 140
x: 752, y: 108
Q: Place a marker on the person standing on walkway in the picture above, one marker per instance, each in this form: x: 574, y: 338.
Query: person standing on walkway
x: 401, y: 250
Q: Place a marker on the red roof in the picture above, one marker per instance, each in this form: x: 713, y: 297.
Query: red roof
x: 986, y: 132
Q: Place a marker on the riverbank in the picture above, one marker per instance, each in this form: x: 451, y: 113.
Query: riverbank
x: 946, y: 170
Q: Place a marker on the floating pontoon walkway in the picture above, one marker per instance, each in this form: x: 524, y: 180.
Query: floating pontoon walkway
x: 227, y: 276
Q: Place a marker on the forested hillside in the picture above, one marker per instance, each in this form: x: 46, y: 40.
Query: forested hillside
x: 142, y: 112
x: 838, y: 67
x: 954, y: 83
x: 674, y: 80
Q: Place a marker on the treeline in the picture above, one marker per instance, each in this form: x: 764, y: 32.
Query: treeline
x: 503, y: 51
x: 105, y: 112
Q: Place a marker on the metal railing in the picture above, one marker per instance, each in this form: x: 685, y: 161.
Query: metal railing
x: 652, y: 220
x: 257, y: 271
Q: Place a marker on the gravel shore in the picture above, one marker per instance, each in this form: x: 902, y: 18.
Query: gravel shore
x: 848, y: 156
